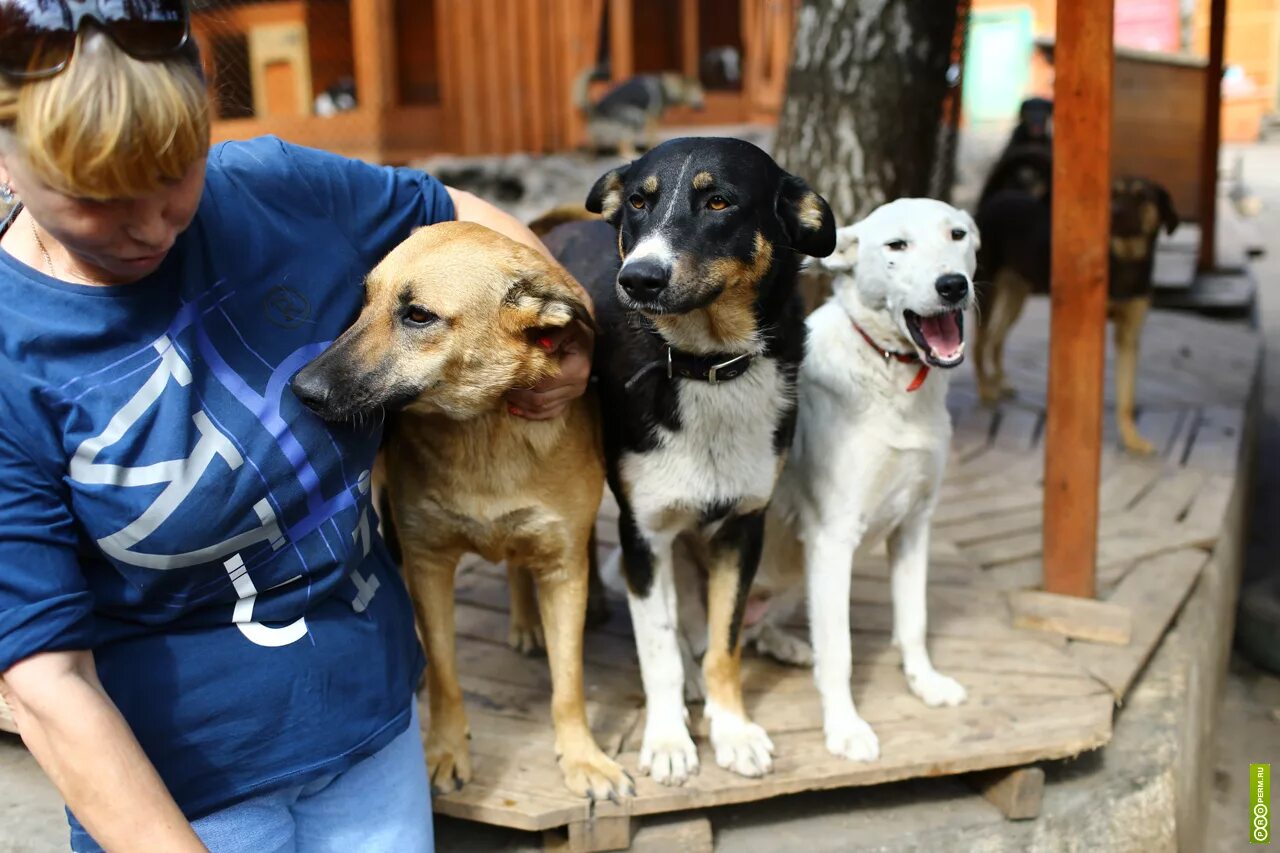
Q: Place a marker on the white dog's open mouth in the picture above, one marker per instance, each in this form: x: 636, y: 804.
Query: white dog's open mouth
x: 940, y: 336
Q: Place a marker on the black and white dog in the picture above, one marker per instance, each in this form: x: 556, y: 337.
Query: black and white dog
x: 701, y: 338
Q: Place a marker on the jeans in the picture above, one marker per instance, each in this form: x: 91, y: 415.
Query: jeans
x: 380, y: 805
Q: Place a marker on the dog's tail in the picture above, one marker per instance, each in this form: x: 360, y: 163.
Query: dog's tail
x: 548, y: 220
x: 581, y: 95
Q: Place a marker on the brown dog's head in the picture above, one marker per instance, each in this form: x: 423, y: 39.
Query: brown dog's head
x: 451, y: 321
x: 1139, y: 209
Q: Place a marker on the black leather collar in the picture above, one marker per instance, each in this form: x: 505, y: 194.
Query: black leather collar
x: 712, y: 369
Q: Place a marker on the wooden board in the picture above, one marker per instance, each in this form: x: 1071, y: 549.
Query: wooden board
x: 1016, y: 793
x: 1028, y: 702
x: 1153, y: 592
x: 1070, y: 616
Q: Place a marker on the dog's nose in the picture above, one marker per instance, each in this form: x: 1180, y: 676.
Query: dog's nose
x: 952, y: 287
x: 311, y: 389
x: 643, y: 279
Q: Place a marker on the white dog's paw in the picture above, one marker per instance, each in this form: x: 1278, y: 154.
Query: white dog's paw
x: 935, y: 689
x: 740, y: 745
x: 668, y: 754
x: 782, y: 646
x: 849, y: 736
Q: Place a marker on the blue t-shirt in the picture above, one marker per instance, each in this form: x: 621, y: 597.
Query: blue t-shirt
x: 168, y: 503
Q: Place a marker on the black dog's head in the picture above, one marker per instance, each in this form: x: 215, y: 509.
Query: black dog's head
x: 700, y: 219
x: 1035, y: 122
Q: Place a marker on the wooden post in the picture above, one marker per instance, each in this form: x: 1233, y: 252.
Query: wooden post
x: 1212, y: 136
x: 1083, y: 66
x: 621, y: 40
x: 689, y: 39
x: 372, y: 25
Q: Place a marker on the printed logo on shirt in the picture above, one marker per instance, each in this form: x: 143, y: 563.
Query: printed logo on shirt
x: 174, y: 489
x: 286, y: 307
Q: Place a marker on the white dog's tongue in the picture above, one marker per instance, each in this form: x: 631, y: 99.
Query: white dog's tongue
x: 942, y: 332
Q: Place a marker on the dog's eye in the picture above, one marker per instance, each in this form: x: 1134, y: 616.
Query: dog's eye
x: 896, y: 245
x: 958, y: 233
x: 416, y: 315
x: 717, y: 202
x: 637, y: 201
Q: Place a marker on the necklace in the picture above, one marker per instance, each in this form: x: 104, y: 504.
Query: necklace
x: 35, y: 232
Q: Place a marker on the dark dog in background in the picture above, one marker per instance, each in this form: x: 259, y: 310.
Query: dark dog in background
x: 627, y: 117
x: 693, y: 274
x: 1015, y: 261
x: 1026, y: 163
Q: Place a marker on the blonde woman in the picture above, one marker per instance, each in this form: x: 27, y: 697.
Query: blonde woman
x: 202, y: 637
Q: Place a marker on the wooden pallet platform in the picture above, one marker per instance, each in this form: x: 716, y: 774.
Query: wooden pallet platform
x: 1032, y: 696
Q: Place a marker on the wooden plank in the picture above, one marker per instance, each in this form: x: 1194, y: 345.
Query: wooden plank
x: 1017, y: 793
x: 1013, y: 499
x: 1126, y: 482
x: 590, y: 836
x: 1153, y: 592
x: 689, y: 38
x: 1216, y: 444
x: 1083, y: 68
x: 682, y: 833
x: 1209, y: 509
x: 1018, y: 428
x: 1081, y: 619
x: 621, y: 44
x: 374, y: 49
x: 1211, y: 136
x: 1167, y: 502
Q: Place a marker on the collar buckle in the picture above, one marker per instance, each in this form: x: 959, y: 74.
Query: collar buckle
x: 712, y: 373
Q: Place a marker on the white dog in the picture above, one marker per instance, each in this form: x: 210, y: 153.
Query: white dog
x: 870, y: 449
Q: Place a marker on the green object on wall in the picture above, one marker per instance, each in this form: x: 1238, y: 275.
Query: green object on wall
x: 997, y: 63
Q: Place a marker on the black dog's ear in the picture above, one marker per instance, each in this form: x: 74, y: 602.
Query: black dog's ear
x: 1168, y: 215
x: 806, y: 218
x: 605, y: 197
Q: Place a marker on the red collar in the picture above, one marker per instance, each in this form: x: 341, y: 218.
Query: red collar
x: 904, y: 357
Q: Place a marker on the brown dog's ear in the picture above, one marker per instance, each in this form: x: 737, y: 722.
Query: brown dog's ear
x: 605, y: 197
x: 806, y: 218
x: 1168, y: 215
x: 545, y: 301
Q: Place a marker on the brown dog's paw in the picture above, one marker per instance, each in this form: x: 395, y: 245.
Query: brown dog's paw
x: 448, y: 762
x: 527, y: 640
x: 1138, y: 446
x: 594, y: 775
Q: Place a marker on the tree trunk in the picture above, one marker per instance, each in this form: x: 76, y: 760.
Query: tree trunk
x: 864, y: 99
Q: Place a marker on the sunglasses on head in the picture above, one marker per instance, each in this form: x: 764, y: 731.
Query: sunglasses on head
x: 38, y: 37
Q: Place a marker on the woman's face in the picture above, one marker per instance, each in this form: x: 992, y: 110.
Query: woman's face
x: 116, y: 241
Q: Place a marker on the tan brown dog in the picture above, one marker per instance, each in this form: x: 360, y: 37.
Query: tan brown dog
x: 1015, y: 258
x: 452, y: 320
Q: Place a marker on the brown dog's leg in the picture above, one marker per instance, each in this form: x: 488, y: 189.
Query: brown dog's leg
x: 562, y: 598
x: 1129, y: 315
x: 524, y: 634
x: 430, y: 574
x: 1011, y: 293
x: 734, y: 553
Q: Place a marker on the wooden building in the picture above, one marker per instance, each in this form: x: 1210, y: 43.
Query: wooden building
x: 472, y: 76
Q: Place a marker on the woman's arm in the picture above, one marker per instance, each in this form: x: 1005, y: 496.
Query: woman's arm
x: 574, y: 344
x: 80, y: 740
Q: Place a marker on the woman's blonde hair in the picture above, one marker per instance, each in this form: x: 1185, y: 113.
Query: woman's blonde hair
x: 108, y: 126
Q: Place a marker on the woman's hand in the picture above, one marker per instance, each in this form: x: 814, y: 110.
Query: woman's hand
x: 550, y: 397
